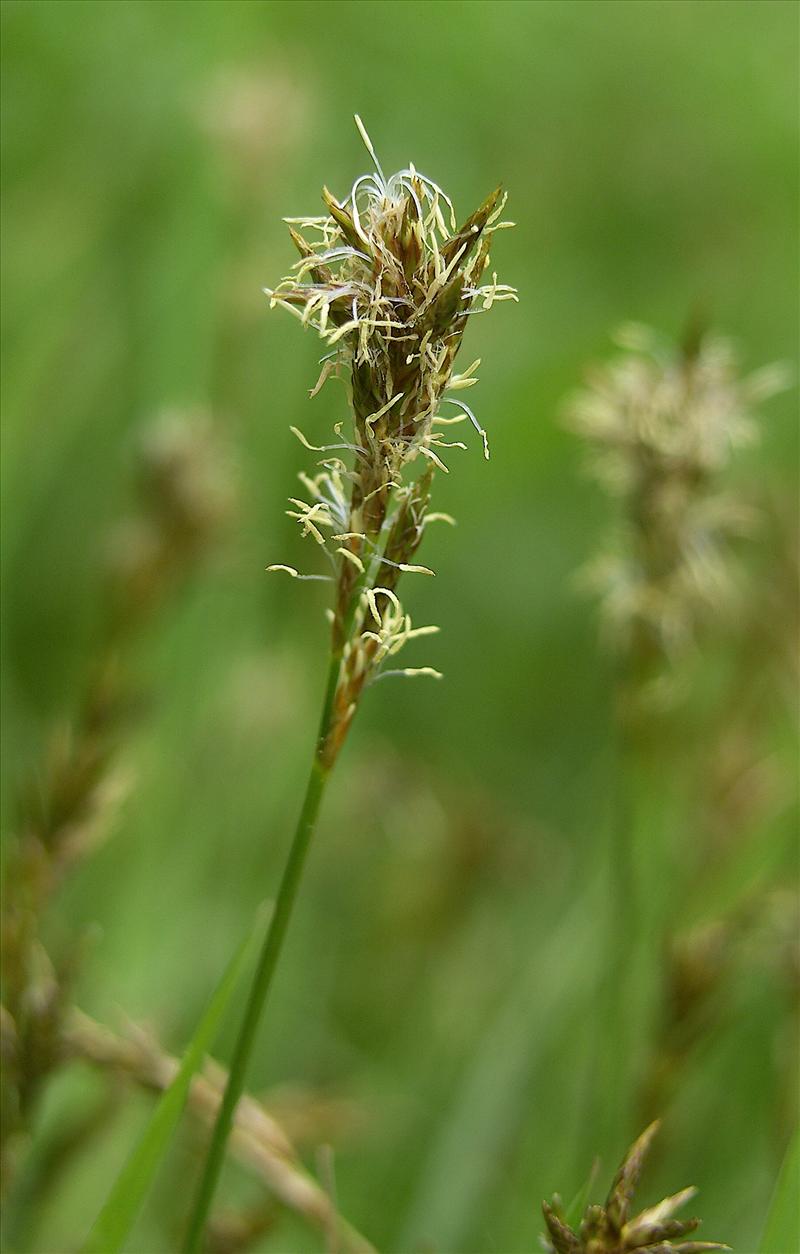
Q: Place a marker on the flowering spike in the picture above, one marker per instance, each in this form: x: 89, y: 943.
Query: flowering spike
x: 389, y: 289
x: 662, y: 422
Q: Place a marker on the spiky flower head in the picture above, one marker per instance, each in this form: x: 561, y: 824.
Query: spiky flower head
x: 389, y: 282
x: 610, y: 1229
x: 662, y: 423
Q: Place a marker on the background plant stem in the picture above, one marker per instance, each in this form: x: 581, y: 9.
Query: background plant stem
x: 610, y: 1099
x: 262, y: 980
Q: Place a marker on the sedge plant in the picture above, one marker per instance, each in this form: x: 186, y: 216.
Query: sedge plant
x: 389, y: 281
x: 662, y: 423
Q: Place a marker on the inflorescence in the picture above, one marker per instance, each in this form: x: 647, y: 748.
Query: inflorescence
x: 662, y: 423
x: 611, y: 1229
x: 389, y: 282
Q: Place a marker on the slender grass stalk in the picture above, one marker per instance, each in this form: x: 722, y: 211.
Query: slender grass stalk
x: 262, y: 981
x: 634, y: 896
x: 625, y: 928
x: 390, y: 286
x: 609, y: 1089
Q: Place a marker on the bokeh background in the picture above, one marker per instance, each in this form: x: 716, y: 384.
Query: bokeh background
x: 434, y: 1017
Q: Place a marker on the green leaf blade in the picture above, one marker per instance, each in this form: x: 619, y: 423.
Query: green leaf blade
x: 782, y: 1231
x: 117, y: 1216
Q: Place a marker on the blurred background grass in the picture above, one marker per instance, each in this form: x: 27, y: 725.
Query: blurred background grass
x: 434, y: 1010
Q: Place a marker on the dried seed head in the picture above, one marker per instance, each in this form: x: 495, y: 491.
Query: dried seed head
x: 389, y: 282
x: 608, y: 1229
x: 662, y: 424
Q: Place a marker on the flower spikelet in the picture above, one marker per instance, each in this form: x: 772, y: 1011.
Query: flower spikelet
x: 609, y: 1229
x: 389, y: 281
x: 662, y: 423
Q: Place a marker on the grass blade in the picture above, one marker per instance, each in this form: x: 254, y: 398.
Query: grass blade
x: 782, y: 1233
x: 128, y: 1191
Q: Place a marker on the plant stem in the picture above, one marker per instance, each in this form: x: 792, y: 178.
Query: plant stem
x: 262, y: 980
x: 625, y: 922
x: 608, y: 1102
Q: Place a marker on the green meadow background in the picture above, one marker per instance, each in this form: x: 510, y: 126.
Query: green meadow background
x: 437, y: 1010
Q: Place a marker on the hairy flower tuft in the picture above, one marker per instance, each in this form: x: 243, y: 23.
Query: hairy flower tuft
x: 389, y: 282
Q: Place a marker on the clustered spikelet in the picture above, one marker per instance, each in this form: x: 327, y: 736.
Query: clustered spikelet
x: 662, y: 423
x: 610, y: 1229
x: 389, y: 282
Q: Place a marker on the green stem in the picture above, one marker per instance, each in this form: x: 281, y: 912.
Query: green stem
x: 607, y: 1105
x: 625, y: 928
x: 262, y: 980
